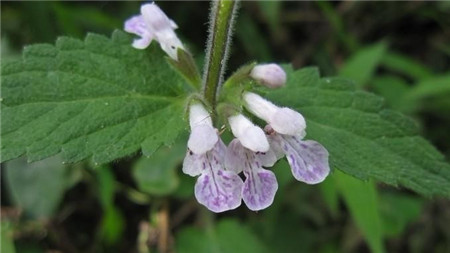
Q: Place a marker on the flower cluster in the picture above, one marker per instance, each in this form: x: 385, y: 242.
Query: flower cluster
x: 219, y: 186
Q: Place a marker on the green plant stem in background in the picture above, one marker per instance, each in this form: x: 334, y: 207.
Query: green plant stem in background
x: 221, y: 28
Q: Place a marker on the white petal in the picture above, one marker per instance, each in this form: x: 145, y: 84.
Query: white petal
x: 254, y: 139
x: 270, y: 75
x: 287, y: 121
x: 155, y: 18
x: 259, y: 106
x: 141, y: 43
x: 202, y: 138
x: 163, y: 28
x: 250, y: 136
x: 193, y: 164
x: 267, y: 159
x: 169, y: 43
x: 199, y: 115
x: 234, y: 156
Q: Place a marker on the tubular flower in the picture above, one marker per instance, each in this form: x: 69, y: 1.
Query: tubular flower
x: 217, y: 188
x: 260, y: 184
x: 153, y: 24
x: 308, y: 159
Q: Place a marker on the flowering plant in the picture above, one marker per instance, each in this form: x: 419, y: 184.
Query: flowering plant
x: 140, y: 95
x: 219, y: 187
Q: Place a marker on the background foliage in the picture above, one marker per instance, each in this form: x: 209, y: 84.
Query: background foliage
x: 137, y: 204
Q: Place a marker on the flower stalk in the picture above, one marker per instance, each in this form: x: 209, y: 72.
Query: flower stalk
x: 219, y: 39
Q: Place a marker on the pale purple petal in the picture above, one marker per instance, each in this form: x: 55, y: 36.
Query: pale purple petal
x: 219, y: 190
x: 260, y: 185
x: 155, y: 18
x: 136, y: 25
x: 235, y: 156
x: 193, y: 164
x: 275, y: 144
x: 308, y: 159
x: 267, y: 159
x: 259, y: 189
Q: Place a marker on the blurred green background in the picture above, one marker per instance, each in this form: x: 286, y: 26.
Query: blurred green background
x: 399, y: 50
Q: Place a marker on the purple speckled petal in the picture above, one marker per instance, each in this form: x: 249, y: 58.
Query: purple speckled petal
x: 260, y: 185
x: 237, y: 155
x: 219, y: 190
x: 259, y: 189
x: 136, y: 25
x: 308, y: 159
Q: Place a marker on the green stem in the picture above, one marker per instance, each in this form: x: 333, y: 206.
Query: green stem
x: 221, y: 28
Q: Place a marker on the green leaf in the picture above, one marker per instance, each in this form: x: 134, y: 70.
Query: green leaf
x: 96, y: 98
x: 330, y: 195
x: 397, y: 210
x: 39, y: 187
x: 393, y: 89
x: 435, y: 86
x: 7, y: 238
x: 157, y: 174
x: 252, y: 39
x: 405, y: 65
x: 271, y: 11
x: 364, y: 139
x: 113, y: 222
x: 229, y: 236
x: 187, y: 67
x: 362, y: 200
x: 362, y: 65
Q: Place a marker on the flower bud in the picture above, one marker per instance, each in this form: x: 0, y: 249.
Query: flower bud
x: 270, y: 75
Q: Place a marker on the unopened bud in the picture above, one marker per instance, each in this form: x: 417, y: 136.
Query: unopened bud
x: 270, y: 75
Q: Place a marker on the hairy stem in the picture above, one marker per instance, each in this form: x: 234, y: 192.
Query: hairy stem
x: 219, y: 39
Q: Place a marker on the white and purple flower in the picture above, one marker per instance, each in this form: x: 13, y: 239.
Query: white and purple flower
x: 217, y: 188
x: 308, y: 159
x: 153, y: 24
x: 260, y: 184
